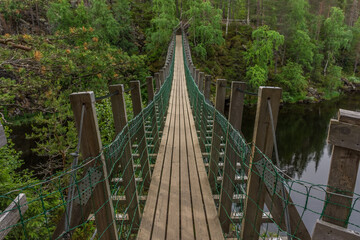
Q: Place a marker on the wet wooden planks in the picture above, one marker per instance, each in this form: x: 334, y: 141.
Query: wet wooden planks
x: 179, y: 204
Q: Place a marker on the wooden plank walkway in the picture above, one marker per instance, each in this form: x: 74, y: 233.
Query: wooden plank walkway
x: 179, y: 204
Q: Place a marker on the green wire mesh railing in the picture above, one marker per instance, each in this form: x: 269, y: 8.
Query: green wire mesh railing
x: 47, y: 200
x: 308, y: 199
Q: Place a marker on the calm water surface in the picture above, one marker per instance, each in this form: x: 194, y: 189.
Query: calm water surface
x: 301, y: 134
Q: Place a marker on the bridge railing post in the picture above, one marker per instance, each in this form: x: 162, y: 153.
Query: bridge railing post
x: 154, y: 123
x: 126, y: 161
x: 231, y: 156
x: 344, y: 135
x: 207, y: 87
x: 201, y: 112
x: 157, y: 81
x: 141, y: 134
x: 217, y: 133
x: 201, y: 82
x: 197, y: 71
x: 91, y: 146
x: 262, y: 139
x: 162, y: 76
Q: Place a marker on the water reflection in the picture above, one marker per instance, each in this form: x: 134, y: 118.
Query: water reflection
x: 301, y: 133
x: 302, y: 130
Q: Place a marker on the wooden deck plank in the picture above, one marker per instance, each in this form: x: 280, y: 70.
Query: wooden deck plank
x: 201, y: 230
x: 187, y: 220
x: 211, y: 213
x: 173, y: 223
x: 160, y: 220
x: 150, y: 206
x: 179, y: 204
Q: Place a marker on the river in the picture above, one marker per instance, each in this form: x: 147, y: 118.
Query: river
x: 301, y: 136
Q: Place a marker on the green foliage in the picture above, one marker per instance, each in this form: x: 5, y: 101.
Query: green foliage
x: 301, y: 49
x: 293, y: 82
x: 9, y: 162
x: 265, y: 42
x: 11, y: 178
x: 332, y: 80
x: 205, y: 27
x: 63, y: 16
x: 257, y: 76
x: 162, y: 25
x: 47, y: 76
x: 336, y: 36
x: 261, y: 54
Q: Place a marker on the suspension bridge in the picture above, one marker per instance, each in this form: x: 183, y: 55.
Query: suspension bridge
x: 181, y: 170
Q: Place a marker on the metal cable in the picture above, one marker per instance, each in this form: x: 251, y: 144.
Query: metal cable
x: 98, y: 99
x: 73, y: 177
x: 128, y: 90
x: 286, y: 210
x: 246, y: 92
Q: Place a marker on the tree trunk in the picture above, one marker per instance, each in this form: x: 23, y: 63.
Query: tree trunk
x: 275, y: 62
x: 177, y: 8
x: 356, y: 62
x: 258, y: 13
x: 353, y: 13
x: 318, y: 27
x: 262, y: 12
x: 283, y: 56
x: 248, y: 13
x: 326, y: 65
x: 228, y: 17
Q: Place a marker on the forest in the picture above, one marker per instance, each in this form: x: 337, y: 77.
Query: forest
x: 52, y: 48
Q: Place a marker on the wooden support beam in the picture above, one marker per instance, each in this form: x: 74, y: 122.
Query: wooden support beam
x: 12, y: 214
x: 197, y: 71
x: 126, y: 161
x: 162, y: 76
x: 344, y: 134
x: 150, y: 88
x: 201, y: 82
x: 327, y: 231
x: 207, y: 87
x: 3, y: 140
x: 262, y: 138
x: 153, y: 117
x: 91, y: 147
x: 157, y: 81
x: 140, y: 136
x: 217, y: 133
x: 232, y: 157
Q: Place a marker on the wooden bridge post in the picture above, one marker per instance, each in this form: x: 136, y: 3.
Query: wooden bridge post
x: 120, y: 120
x: 201, y: 82
x: 162, y: 76
x: 207, y: 87
x: 12, y: 214
x: 3, y: 140
x: 167, y: 68
x: 263, y: 140
x: 344, y: 135
x: 201, y: 113
x: 91, y: 147
x: 216, y: 136
x: 150, y: 88
x: 141, y: 135
x: 231, y: 157
x: 197, y: 71
x: 154, y: 125
x: 157, y: 81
